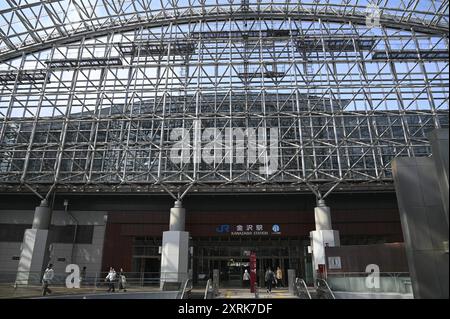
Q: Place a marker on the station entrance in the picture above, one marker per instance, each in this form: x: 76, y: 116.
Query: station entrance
x: 231, y: 257
x: 274, y: 227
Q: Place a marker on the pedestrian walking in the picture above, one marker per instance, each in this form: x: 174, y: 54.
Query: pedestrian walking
x: 122, y: 281
x: 246, y: 279
x: 46, y: 280
x: 83, y: 275
x: 270, y: 279
x: 279, y: 276
x: 110, y: 278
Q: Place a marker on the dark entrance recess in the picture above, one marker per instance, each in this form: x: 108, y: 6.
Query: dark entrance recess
x: 230, y: 256
x: 146, y: 260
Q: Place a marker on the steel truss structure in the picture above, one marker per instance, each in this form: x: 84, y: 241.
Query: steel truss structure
x: 92, y: 91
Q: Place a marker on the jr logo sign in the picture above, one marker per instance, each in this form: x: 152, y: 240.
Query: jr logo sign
x: 222, y: 229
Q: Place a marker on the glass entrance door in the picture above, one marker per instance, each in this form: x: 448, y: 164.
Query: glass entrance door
x: 235, y: 269
x: 232, y: 257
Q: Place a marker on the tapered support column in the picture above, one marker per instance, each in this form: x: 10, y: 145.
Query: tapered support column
x: 175, y: 249
x: 439, y: 144
x: 177, y: 217
x: 322, y: 237
x: 421, y: 185
x: 34, y: 250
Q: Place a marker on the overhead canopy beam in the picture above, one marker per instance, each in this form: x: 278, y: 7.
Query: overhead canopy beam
x: 27, y: 6
x: 102, y: 30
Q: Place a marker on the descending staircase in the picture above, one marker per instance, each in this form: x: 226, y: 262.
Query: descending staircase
x: 301, y: 291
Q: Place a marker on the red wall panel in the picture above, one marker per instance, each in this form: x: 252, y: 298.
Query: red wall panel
x: 123, y: 226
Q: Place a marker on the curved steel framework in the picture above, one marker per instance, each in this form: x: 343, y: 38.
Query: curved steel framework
x: 92, y: 91
x: 29, y: 25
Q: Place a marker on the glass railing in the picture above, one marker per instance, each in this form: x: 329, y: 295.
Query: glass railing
x: 386, y: 282
x: 29, y: 284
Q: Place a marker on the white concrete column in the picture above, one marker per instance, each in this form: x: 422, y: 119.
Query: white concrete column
x: 177, y: 217
x: 322, y: 216
x: 34, y: 249
x: 323, y: 236
x: 291, y: 280
x: 175, y: 248
x: 42, y: 216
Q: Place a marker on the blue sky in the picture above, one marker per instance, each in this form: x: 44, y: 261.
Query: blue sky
x: 12, y: 24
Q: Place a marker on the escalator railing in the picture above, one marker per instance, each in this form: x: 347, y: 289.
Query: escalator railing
x: 187, y: 289
x: 301, y: 290
x: 323, y: 290
x: 209, y: 290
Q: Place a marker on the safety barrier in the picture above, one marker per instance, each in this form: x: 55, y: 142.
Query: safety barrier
x: 301, y: 290
x: 382, y: 282
x: 323, y: 290
x: 187, y: 289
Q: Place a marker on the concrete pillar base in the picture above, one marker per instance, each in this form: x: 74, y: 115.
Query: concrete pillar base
x: 319, y: 240
x: 32, y: 257
x: 291, y: 280
x: 174, y: 257
x: 216, y: 279
x: 34, y: 253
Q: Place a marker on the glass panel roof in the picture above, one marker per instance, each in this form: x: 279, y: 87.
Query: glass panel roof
x: 25, y: 23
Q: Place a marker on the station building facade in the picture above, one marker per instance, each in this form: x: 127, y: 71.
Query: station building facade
x: 126, y: 231
x: 272, y: 126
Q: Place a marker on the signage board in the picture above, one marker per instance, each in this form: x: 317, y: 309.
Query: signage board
x: 249, y: 230
x: 334, y: 263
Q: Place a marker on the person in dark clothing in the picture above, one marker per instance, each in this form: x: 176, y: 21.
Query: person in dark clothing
x: 270, y: 278
x: 83, y: 276
x: 122, y: 281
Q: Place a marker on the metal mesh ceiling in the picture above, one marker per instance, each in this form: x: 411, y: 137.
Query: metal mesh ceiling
x: 91, y: 92
x: 31, y: 25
